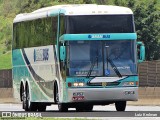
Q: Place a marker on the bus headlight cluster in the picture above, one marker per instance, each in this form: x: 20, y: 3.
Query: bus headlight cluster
x: 128, y: 84
x: 76, y: 84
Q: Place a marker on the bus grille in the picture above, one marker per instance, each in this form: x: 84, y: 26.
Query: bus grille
x: 104, y: 84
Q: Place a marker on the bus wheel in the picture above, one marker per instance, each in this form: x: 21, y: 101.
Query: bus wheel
x: 120, y: 106
x: 56, y: 95
x: 41, y: 107
x: 29, y: 106
x: 88, y: 108
x: 24, y: 104
x: 62, y: 107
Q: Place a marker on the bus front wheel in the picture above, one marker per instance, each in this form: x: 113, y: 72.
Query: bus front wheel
x: 62, y: 107
x: 41, y: 107
x: 120, y: 106
x: 56, y: 95
x: 88, y: 108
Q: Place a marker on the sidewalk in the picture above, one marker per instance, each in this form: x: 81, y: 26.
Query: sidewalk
x: 9, y: 100
x: 147, y: 102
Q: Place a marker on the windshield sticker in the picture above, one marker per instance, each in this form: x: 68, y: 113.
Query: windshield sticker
x: 107, y: 72
x: 123, y: 68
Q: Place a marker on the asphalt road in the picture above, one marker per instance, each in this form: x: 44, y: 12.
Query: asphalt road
x: 100, y: 112
x: 107, y: 108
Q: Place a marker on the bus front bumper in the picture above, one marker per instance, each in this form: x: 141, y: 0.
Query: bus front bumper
x: 102, y: 94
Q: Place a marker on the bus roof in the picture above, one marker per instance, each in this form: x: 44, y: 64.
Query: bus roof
x: 76, y: 9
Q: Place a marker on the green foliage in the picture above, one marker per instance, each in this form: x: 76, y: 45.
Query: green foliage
x: 147, y: 22
x: 5, y: 61
x: 148, y: 27
x: 51, y: 118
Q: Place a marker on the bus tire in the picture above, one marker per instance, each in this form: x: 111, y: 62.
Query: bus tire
x: 21, y: 91
x: 120, y: 106
x: 88, y: 108
x: 29, y: 106
x: 80, y: 108
x: 62, y: 107
x: 56, y: 94
x: 24, y: 105
x: 41, y: 107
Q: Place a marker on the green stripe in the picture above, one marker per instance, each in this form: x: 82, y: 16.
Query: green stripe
x: 108, y: 36
x: 20, y: 71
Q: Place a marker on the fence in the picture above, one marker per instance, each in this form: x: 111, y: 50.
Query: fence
x: 6, y: 78
x: 149, y: 74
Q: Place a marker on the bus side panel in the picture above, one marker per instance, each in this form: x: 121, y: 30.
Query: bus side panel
x: 36, y: 65
x: 18, y: 70
x: 21, y: 73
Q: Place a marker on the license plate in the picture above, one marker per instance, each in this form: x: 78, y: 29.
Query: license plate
x: 78, y: 98
x: 78, y: 94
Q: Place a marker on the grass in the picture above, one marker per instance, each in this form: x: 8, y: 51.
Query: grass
x: 47, y: 118
x: 5, y: 61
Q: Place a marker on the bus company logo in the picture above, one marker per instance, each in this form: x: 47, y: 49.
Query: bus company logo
x: 6, y: 114
x: 99, y: 36
x: 104, y: 84
x: 20, y: 115
x: 41, y: 54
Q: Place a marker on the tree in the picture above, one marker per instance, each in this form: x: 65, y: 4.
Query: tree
x: 147, y: 27
x: 120, y: 2
x: 147, y: 22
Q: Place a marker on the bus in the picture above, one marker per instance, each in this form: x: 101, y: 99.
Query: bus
x: 76, y: 56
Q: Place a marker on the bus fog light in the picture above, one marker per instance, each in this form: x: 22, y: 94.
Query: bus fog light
x: 129, y: 92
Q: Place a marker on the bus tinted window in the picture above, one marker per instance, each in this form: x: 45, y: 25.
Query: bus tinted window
x: 34, y: 33
x: 100, y: 24
x: 62, y: 25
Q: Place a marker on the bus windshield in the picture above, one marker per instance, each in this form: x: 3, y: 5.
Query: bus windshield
x: 99, y: 24
x: 99, y: 58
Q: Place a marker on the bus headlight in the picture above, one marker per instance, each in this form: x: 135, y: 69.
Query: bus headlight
x: 128, y: 84
x: 75, y: 84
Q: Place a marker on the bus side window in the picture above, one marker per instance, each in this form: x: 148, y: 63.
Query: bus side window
x: 14, y: 43
x: 54, y: 29
x: 62, y: 25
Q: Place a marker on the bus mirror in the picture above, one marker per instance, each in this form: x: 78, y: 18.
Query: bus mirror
x: 141, y: 52
x: 62, y: 53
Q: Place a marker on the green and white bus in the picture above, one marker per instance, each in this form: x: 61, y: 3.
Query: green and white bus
x: 76, y: 56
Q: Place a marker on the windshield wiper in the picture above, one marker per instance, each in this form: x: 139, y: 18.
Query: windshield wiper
x: 92, y: 66
x: 114, y: 67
